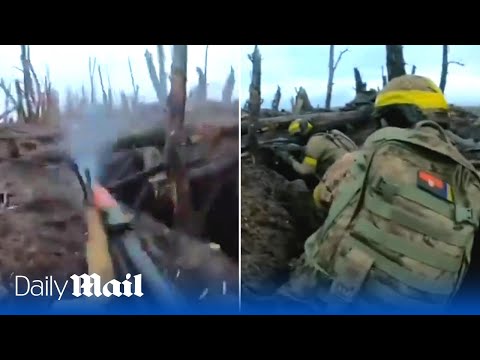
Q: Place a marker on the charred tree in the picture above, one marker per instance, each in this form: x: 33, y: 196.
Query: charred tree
x: 395, y: 61
x: 153, y: 77
x: 135, y: 87
x: 444, y: 73
x: 204, y: 85
x: 445, y: 63
x: 227, y: 91
x: 9, y: 99
x: 27, y: 81
x: 20, y: 96
x: 162, y: 73
x: 92, y: 63
x: 201, y: 91
x: 104, y: 93
x: 384, y: 78
x: 359, y: 84
x: 109, y: 92
x: 177, y: 171
x: 302, y: 101
x: 255, y: 99
x: 276, y: 99
x: 332, y: 66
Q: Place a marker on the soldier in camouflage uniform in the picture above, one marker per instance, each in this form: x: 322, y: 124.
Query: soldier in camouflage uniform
x: 321, y: 150
x: 402, y: 212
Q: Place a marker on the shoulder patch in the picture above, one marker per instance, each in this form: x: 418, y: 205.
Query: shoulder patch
x: 434, y: 185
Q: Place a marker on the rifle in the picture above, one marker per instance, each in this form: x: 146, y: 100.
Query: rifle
x: 117, y: 223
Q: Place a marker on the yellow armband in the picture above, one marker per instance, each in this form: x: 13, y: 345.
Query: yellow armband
x: 310, y: 161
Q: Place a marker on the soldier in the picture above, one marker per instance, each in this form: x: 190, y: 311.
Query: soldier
x: 402, y: 212
x: 116, y: 246
x: 321, y: 150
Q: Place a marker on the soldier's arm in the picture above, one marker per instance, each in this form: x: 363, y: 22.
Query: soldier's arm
x: 320, y: 150
x: 327, y: 189
x: 307, y: 167
x: 97, y: 251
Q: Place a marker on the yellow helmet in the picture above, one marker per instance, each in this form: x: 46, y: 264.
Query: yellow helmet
x: 414, y: 95
x: 299, y: 127
x: 412, y: 90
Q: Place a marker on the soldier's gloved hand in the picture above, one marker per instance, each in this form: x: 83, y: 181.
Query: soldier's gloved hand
x: 284, y: 156
x: 101, y: 198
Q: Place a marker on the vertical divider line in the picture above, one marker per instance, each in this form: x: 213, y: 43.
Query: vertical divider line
x: 239, y: 70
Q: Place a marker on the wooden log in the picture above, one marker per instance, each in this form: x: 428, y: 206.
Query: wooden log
x: 321, y: 121
x: 156, y: 136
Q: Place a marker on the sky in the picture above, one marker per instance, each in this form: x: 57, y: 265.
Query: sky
x: 68, y: 66
x: 292, y: 66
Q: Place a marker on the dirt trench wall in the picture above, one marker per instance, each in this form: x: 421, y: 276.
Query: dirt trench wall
x: 277, y: 217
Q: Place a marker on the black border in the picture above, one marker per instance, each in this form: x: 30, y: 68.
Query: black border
x: 246, y: 23
x: 292, y: 23
x: 237, y: 335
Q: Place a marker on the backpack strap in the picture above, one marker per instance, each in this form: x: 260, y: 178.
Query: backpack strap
x: 351, y: 272
x: 435, y: 125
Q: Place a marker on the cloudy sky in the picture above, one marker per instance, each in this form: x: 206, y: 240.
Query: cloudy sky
x: 68, y: 66
x: 291, y: 66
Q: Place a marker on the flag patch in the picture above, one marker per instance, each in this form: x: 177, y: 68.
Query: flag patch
x: 434, y: 185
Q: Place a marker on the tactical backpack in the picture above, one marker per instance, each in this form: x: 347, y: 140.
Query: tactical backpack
x: 401, y: 229
x: 323, y: 149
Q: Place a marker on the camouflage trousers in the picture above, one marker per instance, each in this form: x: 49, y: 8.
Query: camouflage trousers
x: 308, y: 285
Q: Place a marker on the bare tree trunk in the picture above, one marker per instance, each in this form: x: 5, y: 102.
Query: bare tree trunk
x: 445, y: 64
x: 384, y: 78
x: 359, y: 84
x: 205, y: 73
x: 227, y: 91
x: 302, y: 101
x: 27, y: 81
x: 20, y: 109
x: 124, y: 103
x: 104, y: 93
x: 276, y: 99
x: 135, y: 87
x: 332, y: 66
x: 177, y: 173
x: 36, y: 99
x: 255, y: 99
x: 443, y: 74
x: 110, y: 92
x: 91, y: 67
x: 153, y: 76
x: 9, y: 98
x: 395, y: 61
x: 328, y: 98
x: 162, y: 74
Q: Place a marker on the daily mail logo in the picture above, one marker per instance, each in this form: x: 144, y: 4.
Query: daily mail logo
x: 83, y: 285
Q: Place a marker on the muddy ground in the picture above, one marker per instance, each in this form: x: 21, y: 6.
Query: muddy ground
x: 42, y: 228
